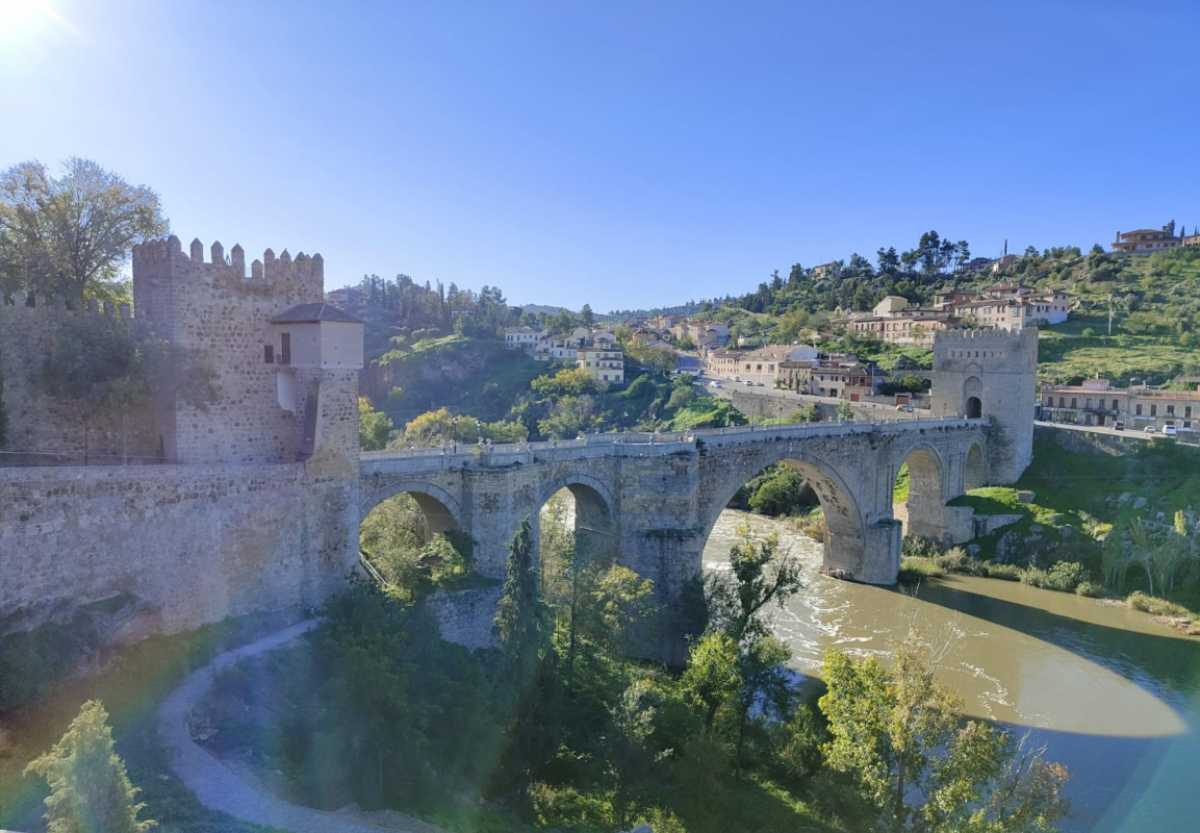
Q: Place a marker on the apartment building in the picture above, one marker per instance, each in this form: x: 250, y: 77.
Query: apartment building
x: 1097, y: 402
x: 605, y: 365
x: 759, y: 367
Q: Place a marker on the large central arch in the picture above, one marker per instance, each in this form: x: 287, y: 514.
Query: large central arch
x: 845, y: 526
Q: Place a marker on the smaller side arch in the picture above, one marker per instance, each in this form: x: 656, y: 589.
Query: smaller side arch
x: 975, y: 469
x: 442, y: 510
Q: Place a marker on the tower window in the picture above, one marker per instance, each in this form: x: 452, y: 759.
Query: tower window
x: 269, y: 353
x: 285, y: 348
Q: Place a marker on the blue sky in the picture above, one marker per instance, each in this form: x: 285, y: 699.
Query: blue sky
x: 621, y: 154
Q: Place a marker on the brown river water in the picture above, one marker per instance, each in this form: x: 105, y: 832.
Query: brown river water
x: 1109, y: 691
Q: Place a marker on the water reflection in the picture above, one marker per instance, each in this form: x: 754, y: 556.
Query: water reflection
x: 1111, y: 692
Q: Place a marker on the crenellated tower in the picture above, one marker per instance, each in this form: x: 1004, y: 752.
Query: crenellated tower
x: 990, y: 374
x: 281, y: 396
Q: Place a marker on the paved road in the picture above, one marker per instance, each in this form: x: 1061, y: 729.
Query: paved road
x: 1129, y: 433
x: 220, y: 788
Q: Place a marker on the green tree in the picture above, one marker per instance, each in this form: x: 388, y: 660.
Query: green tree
x: 586, y: 316
x: 711, y: 679
x: 68, y: 237
x: 374, y: 427
x: 900, y: 735
x: 520, y: 616
x: 785, y: 493
x: 570, y: 417
x: 569, y: 381
x: 90, y: 791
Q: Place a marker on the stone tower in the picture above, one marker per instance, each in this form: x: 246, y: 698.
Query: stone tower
x: 268, y: 407
x: 990, y: 374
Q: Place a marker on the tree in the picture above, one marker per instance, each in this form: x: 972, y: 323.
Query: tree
x: 570, y: 417
x: 711, y: 679
x: 90, y: 791
x: 899, y: 735
x: 374, y: 427
x: 68, y: 237
x: 520, y: 618
x: 759, y: 575
x: 586, y: 316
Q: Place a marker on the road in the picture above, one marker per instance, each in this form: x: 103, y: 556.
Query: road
x: 218, y: 787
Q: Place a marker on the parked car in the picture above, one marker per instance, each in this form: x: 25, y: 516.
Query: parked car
x: 1118, y: 426
x: 1150, y: 429
x: 714, y: 384
x: 1170, y: 430
x: 904, y: 406
x: 749, y: 384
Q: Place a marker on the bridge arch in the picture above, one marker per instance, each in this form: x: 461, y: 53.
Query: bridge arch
x: 442, y: 510
x: 845, y: 538
x: 591, y: 516
x: 919, y: 490
x: 975, y: 468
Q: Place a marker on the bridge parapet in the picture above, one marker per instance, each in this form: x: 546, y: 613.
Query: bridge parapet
x: 634, y: 444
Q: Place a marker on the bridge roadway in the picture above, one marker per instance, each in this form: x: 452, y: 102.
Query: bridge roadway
x: 655, y: 497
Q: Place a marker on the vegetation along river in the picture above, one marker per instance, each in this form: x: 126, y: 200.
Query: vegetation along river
x: 1109, y: 691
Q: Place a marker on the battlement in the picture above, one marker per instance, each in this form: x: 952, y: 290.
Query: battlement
x: 30, y: 305
x: 984, y: 344
x: 168, y: 254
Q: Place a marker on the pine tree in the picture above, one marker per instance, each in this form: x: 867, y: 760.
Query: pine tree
x: 90, y: 791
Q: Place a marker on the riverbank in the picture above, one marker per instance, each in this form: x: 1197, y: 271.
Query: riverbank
x: 1110, y: 691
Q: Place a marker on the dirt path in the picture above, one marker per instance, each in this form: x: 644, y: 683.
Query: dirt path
x: 218, y: 787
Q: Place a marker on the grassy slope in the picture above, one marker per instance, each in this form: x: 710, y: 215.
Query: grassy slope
x: 1081, y: 494
x: 1156, y: 304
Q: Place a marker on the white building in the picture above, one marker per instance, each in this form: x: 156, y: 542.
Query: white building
x: 523, y: 338
x: 603, y: 365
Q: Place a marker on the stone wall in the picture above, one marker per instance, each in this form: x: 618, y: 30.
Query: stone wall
x: 1092, y: 442
x: 222, y: 316
x: 465, y: 617
x: 997, y: 371
x: 189, y: 545
x: 44, y: 429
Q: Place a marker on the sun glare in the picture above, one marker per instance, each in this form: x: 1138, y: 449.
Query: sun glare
x: 22, y: 22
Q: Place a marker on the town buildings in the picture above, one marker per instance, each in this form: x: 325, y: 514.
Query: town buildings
x: 1148, y: 241
x: 759, y: 367
x: 841, y: 377
x: 1003, y: 306
x: 605, y: 365
x: 1098, y: 402
x: 595, y: 351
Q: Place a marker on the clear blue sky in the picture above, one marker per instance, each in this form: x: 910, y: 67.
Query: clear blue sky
x: 622, y: 154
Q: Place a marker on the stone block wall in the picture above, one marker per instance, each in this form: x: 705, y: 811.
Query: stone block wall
x: 999, y: 368
x: 215, y: 311
x: 45, y: 429
x: 190, y: 544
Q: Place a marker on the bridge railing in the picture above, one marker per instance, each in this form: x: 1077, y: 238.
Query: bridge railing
x: 664, y: 442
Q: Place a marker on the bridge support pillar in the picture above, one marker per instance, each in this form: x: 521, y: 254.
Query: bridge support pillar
x: 873, y: 559
x: 943, y: 525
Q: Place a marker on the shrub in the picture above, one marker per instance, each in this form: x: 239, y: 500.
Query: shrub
x: 953, y: 560
x: 1007, y: 572
x: 1156, y: 606
x: 913, y: 567
x: 1089, y: 589
x: 1063, y: 576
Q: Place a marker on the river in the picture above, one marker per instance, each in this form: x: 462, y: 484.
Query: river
x: 1109, y: 691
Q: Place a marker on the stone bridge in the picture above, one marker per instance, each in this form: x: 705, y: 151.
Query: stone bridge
x: 655, y: 498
